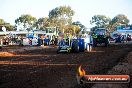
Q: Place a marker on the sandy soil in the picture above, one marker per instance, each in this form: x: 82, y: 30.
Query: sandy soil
x: 41, y: 67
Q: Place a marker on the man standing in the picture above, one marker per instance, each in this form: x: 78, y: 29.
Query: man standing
x: 89, y: 42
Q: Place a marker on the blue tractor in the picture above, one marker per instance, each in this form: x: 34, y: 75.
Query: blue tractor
x: 64, y: 46
x: 71, y: 45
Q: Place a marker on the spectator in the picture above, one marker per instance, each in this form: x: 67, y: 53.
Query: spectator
x: 42, y: 40
x: 56, y: 40
x: 123, y: 38
x: 128, y: 37
x: 30, y: 41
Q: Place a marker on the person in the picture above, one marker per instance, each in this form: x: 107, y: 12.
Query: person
x: 119, y: 38
x: 39, y: 41
x: 42, y: 40
x: 62, y: 42
x: 89, y: 42
x: 1, y: 42
x: 128, y: 37
x: 94, y: 39
x: 56, y: 40
x: 48, y: 41
x: 123, y: 38
x: 30, y: 41
x: 74, y: 37
x: 21, y: 41
x: 67, y: 40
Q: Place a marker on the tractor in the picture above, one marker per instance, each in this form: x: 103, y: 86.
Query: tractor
x: 71, y: 45
x: 100, y: 36
x: 64, y: 46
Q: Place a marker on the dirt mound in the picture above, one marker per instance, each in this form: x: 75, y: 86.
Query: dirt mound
x: 6, y: 54
x: 123, y: 67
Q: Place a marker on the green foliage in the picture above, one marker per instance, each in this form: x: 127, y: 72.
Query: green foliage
x: 61, y: 16
x: 2, y: 22
x: 42, y: 23
x: 106, y: 22
x: 118, y: 20
x: 9, y: 27
x: 100, y: 20
x: 78, y: 23
x: 72, y: 29
x: 61, y: 12
x: 25, y: 19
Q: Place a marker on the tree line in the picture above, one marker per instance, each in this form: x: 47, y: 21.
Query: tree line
x: 61, y: 18
x: 107, y: 22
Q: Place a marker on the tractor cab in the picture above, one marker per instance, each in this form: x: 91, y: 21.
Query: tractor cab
x: 100, y: 36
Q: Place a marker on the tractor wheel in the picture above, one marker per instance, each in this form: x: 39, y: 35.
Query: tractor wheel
x: 76, y: 49
x: 0, y: 47
x: 94, y: 42
x: 58, y: 51
x: 68, y: 50
x: 106, y: 43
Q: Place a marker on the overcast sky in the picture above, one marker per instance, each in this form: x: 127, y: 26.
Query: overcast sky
x: 84, y: 9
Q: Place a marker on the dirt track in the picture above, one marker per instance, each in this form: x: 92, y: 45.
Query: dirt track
x: 43, y: 68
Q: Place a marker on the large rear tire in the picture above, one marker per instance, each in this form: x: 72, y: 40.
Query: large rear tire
x: 106, y: 42
x: 94, y: 42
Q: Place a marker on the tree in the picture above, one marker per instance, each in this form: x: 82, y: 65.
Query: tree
x: 100, y: 20
x: 26, y: 20
x: 118, y: 20
x: 9, y: 27
x: 61, y: 16
x: 2, y: 22
x: 72, y: 29
x: 78, y: 23
x: 42, y: 23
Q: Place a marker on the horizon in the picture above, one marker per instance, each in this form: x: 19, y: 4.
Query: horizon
x: 84, y: 10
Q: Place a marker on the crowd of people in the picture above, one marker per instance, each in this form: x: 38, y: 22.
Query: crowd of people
x: 23, y: 40
x: 7, y: 40
x: 123, y: 38
x: 50, y: 40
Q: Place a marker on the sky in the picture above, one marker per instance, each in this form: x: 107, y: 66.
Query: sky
x: 84, y: 9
